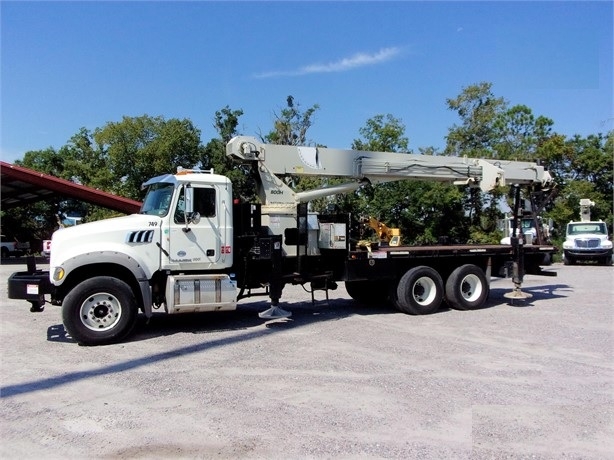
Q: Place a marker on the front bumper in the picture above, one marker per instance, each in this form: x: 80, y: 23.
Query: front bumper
x: 588, y: 255
x: 31, y: 286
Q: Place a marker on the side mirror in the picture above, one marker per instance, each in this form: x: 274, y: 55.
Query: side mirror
x: 191, y: 217
x: 194, y: 218
x: 189, y: 199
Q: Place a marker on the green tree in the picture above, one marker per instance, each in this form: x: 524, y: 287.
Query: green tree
x: 489, y: 129
x: 517, y: 133
x: 214, y: 156
x: 479, y: 110
x: 142, y: 147
x: 582, y: 168
x: 382, y: 133
x: 35, y: 222
x: 291, y: 124
x: 86, y: 163
x: 423, y: 210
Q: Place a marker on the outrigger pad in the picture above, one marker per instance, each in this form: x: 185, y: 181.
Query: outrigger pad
x: 517, y: 294
x: 275, y: 313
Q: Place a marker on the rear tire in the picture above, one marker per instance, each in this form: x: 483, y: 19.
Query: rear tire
x: 393, y: 296
x: 420, y: 291
x: 467, y: 288
x: 100, y: 311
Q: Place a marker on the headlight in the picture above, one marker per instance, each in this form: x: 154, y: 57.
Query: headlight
x: 606, y: 244
x: 58, y: 274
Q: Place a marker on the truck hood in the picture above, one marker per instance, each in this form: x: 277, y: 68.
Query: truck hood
x: 583, y: 236
x: 126, y: 234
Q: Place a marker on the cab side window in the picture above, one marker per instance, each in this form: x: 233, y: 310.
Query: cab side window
x: 204, y: 204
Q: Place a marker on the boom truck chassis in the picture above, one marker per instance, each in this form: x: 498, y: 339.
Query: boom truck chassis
x: 192, y: 248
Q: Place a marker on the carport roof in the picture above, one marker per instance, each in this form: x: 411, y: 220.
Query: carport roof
x: 21, y: 186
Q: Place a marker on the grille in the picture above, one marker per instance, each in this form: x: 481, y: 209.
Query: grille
x: 140, y: 236
x: 592, y: 243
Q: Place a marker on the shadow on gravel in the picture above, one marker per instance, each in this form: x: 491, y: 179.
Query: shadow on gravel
x: 545, y: 292
x: 244, y: 320
x: 246, y: 317
x: 247, y: 325
x: 303, y: 313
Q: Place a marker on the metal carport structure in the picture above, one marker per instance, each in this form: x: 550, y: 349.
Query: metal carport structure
x: 21, y: 186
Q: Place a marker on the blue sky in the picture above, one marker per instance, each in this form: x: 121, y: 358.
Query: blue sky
x: 67, y: 65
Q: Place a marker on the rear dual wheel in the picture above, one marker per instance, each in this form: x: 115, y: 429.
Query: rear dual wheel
x: 467, y: 288
x: 420, y: 291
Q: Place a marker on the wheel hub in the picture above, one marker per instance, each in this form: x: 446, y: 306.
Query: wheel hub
x: 100, y: 311
x: 424, y: 290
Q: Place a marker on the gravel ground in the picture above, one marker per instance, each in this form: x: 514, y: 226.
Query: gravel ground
x: 531, y: 380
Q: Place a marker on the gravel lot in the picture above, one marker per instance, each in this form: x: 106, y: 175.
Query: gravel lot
x: 532, y: 380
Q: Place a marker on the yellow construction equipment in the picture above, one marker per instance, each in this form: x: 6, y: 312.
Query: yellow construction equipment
x: 391, y: 236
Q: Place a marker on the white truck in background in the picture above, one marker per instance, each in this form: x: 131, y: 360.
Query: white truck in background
x: 10, y: 247
x: 587, y: 240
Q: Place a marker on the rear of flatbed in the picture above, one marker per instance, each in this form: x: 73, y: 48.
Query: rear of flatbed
x: 416, y: 279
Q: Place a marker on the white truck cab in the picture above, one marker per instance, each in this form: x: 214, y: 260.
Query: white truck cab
x: 587, y: 240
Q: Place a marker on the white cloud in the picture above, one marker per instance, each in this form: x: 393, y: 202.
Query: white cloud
x: 342, y: 65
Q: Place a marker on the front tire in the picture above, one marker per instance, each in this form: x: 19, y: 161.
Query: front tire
x: 567, y: 260
x: 467, y: 288
x: 420, y: 291
x: 100, y: 311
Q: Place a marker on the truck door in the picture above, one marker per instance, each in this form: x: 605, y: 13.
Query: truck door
x: 197, y: 244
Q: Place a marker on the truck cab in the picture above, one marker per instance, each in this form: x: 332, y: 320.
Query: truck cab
x: 587, y: 241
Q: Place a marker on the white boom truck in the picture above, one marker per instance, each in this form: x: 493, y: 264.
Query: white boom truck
x: 587, y: 240
x: 192, y: 248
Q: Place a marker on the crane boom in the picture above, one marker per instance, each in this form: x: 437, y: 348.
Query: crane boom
x: 275, y: 161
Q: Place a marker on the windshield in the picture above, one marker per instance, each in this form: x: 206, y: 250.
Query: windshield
x: 592, y: 227
x: 158, y: 199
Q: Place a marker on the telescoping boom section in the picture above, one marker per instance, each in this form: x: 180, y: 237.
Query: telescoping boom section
x: 374, y: 167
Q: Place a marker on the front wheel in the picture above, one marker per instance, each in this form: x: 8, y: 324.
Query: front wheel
x: 420, y: 291
x: 467, y: 288
x: 567, y: 260
x: 99, y: 311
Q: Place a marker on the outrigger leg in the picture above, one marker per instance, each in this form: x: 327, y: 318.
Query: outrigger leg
x: 275, y: 284
x: 517, y: 242
x: 37, y: 306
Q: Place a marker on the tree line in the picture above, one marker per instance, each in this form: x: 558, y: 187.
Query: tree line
x: 119, y: 156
